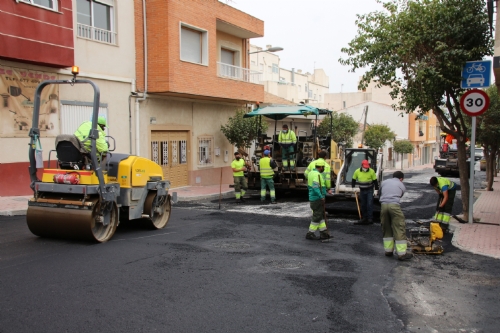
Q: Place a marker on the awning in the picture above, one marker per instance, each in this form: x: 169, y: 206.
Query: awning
x: 278, y: 112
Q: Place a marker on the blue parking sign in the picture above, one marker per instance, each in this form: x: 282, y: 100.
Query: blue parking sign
x: 476, y: 74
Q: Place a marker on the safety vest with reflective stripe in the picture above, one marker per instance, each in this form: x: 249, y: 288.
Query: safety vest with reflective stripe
x: 316, y: 186
x: 265, y: 168
x: 326, y: 173
x: 287, y: 138
x: 442, y: 182
x: 364, y: 178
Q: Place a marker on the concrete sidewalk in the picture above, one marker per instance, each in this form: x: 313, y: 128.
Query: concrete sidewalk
x: 481, y: 238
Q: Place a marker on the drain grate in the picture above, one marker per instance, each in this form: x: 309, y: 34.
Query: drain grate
x: 232, y: 245
x: 282, y: 263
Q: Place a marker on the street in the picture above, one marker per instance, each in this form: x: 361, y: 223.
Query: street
x: 245, y: 268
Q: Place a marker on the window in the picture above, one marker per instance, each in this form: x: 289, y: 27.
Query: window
x: 276, y: 68
x: 343, y: 104
x: 51, y: 4
x: 269, y: 69
x: 305, y: 87
x: 194, y: 45
x: 310, y: 94
x: 205, y: 150
x: 96, y: 20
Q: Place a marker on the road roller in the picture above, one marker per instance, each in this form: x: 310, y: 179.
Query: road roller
x: 86, y: 195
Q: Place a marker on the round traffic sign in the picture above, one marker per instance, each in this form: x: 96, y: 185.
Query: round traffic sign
x: 474, y: 102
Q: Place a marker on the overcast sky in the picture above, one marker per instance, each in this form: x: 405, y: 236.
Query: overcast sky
x: 312, y: 32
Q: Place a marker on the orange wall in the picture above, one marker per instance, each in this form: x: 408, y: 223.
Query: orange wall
x: 166, y: 72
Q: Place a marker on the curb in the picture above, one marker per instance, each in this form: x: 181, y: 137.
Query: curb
x: 17, y: 212
x: 203, y: 197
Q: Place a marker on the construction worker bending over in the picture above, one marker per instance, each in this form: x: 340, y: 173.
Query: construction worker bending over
x: 287, y: 140
x: 367, y: 179
x: 446, y: 190
x: 82, y: 133
x: 392, y: 218
x: 326, y: 173
x: 240, y: 182
x: 317, y: 191
x: 266, y: 166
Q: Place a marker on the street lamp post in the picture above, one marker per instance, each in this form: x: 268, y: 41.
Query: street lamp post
x: 271, y: 49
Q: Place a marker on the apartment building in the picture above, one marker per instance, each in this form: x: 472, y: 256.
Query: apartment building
x: 422, y: 131
x: 41, y: 40
x: 290, y: 84
x: 193, y: 74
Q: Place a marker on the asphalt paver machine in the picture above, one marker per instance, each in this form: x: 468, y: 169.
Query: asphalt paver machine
x: 306, y: 149
x: 87, y: 195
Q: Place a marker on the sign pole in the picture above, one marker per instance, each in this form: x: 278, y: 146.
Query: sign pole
x: 472, y: 160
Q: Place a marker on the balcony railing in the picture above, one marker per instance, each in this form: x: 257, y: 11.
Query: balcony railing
x: 86, y: 31
x: 239, y: 73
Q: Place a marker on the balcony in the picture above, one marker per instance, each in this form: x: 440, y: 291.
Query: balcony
x: 101, y: 35
x: 239, y: 73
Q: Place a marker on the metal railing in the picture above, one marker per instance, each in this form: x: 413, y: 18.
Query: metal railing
x: 239, y: 73
x: 86, y: 31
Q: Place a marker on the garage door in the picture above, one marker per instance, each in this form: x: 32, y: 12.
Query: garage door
x: 170, y: 150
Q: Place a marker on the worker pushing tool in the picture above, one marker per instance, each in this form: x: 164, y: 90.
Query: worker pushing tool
x: 392, y: 218
x: 287, y: 141
x: 446, y: 190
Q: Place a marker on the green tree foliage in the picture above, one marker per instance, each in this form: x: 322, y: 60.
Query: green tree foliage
x: 343, y: 128
x: 376, y: 136
x: 240, y: 131
x: 488, y: 134
x: 403, y: 147
x: 418, y: 48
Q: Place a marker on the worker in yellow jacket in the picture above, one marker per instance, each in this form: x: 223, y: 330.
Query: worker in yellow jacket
x: 266, y: 166
x: 287, y: 141
x: 83, y: 132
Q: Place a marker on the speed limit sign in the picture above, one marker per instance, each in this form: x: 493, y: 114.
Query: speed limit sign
x: 474, y: 102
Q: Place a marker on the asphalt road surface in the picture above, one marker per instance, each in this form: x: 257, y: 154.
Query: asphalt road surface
x: 244, y: 268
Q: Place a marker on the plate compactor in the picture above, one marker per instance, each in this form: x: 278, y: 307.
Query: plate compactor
x: 425, y: 239
x: 87, y: 196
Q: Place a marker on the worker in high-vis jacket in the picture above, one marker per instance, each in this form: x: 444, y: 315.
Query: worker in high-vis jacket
x: 316, y: 186
x: 392, y: 218
x: 446, y: 190
x: 266, y: 166
x: 367, y: 180
x: 82, y: 133
x: 240, y: 182
x: 326, y: 173
x: 287, y: 140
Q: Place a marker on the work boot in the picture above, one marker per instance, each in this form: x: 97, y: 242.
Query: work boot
x: 362, y: 222
x: 406, y: 256
x: 324, y: 235
x: 242, y: 200
x: 311, y: 236
x: 370, y: 221
x: 389, y: 254
x: 273, y: 202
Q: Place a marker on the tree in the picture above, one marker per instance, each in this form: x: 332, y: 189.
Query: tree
x: 402, y: 147
x: 488, y: 134
x: 240, y: 131
x: 377, y: 135
x: 418, y: 48
x: 343, y: 128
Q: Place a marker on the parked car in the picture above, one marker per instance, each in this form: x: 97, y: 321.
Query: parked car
x: 478, y: 154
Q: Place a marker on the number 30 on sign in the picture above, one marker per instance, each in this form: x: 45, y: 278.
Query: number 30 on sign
x: 474, y: 102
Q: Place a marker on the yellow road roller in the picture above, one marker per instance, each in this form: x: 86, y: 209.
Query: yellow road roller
x: 86, y: 196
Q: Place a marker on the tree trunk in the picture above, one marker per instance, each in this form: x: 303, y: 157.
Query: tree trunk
x: 490, y: 170
x: 464, y: 176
